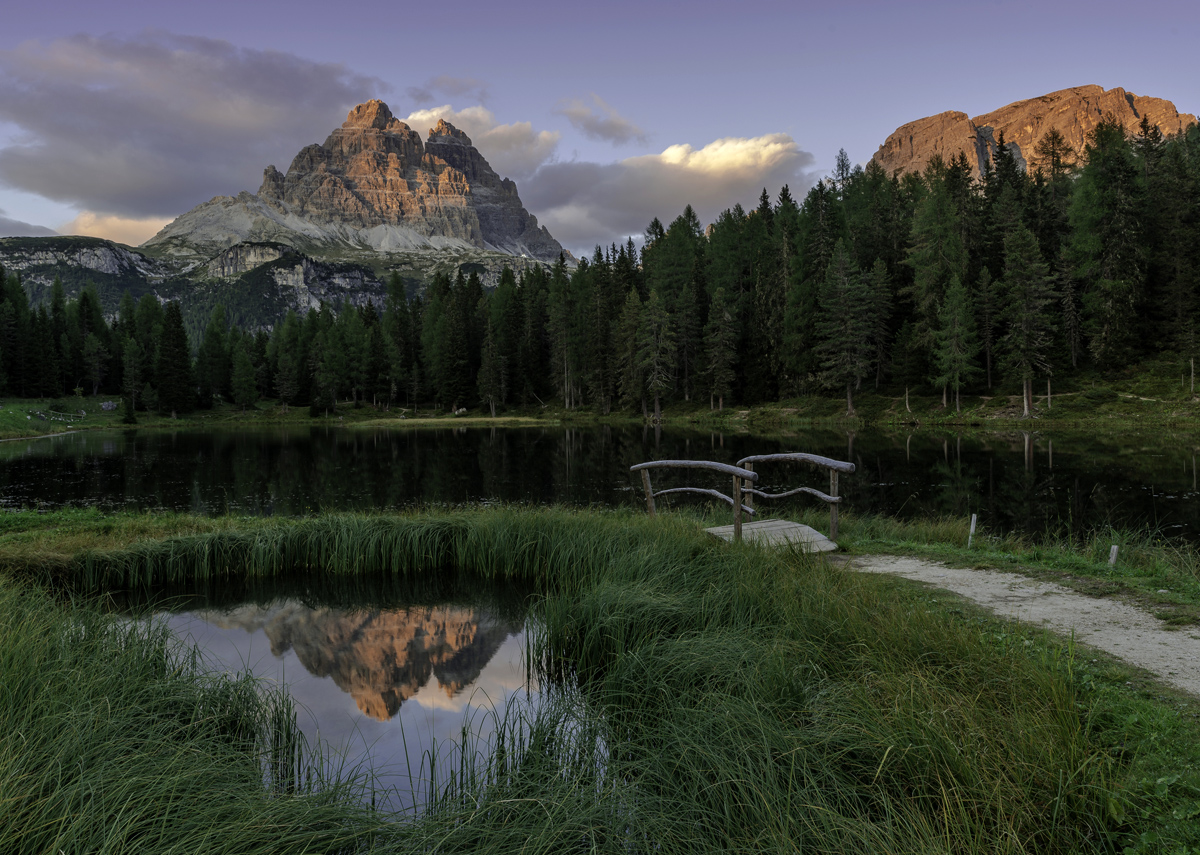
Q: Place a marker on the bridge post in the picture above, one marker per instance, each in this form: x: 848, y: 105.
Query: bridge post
x: 737, y: 508
x: 833, y: 514
x: 649, y: 491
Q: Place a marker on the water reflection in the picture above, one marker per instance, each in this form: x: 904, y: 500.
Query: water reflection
x: 379, y: 687
x: 1019, y: 479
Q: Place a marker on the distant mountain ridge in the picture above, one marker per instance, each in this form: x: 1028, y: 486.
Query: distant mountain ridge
x: 1074, y: 113
x: 371, y: 201
x: 371, y: 186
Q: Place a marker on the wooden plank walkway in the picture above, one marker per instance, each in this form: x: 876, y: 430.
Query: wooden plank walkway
x: 778, y: 533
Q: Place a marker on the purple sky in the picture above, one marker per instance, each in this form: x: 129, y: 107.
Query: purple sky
x: 116, y: 117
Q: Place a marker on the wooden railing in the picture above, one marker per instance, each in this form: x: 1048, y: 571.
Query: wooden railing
x: 743, y: 473
x: 739, y: 475
x: 831, y: 498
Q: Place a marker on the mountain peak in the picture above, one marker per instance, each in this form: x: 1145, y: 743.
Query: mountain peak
x: 374, y: 184
x: 446, y: 133
x: 1073, y: 112
x: 373, y: 114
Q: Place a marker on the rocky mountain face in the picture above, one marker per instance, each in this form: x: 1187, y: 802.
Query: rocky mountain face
x: 1074, y: 113
x: 372, y: 185
x: 372, y: 200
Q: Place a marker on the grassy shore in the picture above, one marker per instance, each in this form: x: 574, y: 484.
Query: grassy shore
x: 1156, y: 393
x: 710, y: 697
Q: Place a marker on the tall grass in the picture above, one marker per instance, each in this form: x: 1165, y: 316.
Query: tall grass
x: 112, y: 740
x: 704, y: 696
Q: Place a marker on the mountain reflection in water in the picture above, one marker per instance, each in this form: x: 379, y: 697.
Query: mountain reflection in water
x: 380, y: 658
x: 379, y: 688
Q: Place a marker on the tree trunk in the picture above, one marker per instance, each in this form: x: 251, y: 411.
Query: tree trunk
x: 1026, y: 394
x: 957, y: 402
x: 849, y: 401
x: 657, y: 410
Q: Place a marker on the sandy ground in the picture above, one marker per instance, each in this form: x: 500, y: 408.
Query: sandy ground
x: 1123, y: 630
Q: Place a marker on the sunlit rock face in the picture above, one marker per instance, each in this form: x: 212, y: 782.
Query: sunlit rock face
x: 1074, y: 113
x: 380, y: 658
x: 372, y: 184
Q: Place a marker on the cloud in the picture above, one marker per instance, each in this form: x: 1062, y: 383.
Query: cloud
x: 599, y: 121
x: 467, y: 88
x: 152, y: 125
x: 515, y: 151
x: 128, y: 231
x: 583, y: 203
x: 16, y: 228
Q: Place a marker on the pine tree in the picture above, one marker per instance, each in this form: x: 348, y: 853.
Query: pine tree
x: 490, y: 371
x: 656, y: 350
x: 243, y: 381
x: 213, y: 364
x: 844, y: 344
x: 955, y: 342
x: 1107, y: 244
x: 720, y: 342
x: 1029, y: 298
x: 631, y: 378
x: 176, y: 386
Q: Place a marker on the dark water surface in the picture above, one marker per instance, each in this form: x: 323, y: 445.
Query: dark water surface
x: 1015, y: 480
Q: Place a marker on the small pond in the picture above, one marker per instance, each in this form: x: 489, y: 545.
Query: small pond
x: 380, y: 688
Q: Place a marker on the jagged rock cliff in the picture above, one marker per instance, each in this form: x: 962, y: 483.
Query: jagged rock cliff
x: 372, y: 185
x: 1074, y: 113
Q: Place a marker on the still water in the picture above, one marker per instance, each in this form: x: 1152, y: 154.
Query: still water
x: 1030, y: 481
x: 383, y: 690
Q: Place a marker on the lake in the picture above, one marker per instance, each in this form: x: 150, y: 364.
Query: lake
x: 1015, y: 480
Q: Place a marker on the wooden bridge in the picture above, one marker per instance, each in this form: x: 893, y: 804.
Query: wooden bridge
x: 744, y: 479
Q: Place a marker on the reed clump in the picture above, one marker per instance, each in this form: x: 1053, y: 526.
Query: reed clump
x: 710, y: 697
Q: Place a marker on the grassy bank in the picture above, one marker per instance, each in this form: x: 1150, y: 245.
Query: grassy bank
x: 1155, y: 393
x: 727, y: 698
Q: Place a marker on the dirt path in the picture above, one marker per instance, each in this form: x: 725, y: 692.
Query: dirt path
x: 1124, y: 631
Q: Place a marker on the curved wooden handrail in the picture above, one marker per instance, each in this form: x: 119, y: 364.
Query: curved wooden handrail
x: 716, y: 494
x: 824, y: 497
x: 723, y: 468
x: 800, y: 457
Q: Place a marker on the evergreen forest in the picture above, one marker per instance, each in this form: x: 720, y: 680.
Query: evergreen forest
x: 943, y: 281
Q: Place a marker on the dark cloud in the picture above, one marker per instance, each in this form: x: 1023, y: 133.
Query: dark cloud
x: 15, y: 228
x: 445, y: 86
x: 154, y: 124
x: 583, y: 204
x: 599, y: 121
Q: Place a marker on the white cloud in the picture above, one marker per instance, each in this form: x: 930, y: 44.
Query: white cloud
x: 126, y: 230
x: 515, y: 150
x: 587, y: 203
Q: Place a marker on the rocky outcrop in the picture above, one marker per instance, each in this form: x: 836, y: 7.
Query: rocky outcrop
x: 244, y: 257
x: 34, y: 255
x: 380, y: 658
x: 1074, y: 113
x: 371, y: 185
x: 504, y: 222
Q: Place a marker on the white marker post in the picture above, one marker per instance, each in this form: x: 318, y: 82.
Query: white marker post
x: 1112, y: 556
x: 971, y: 536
